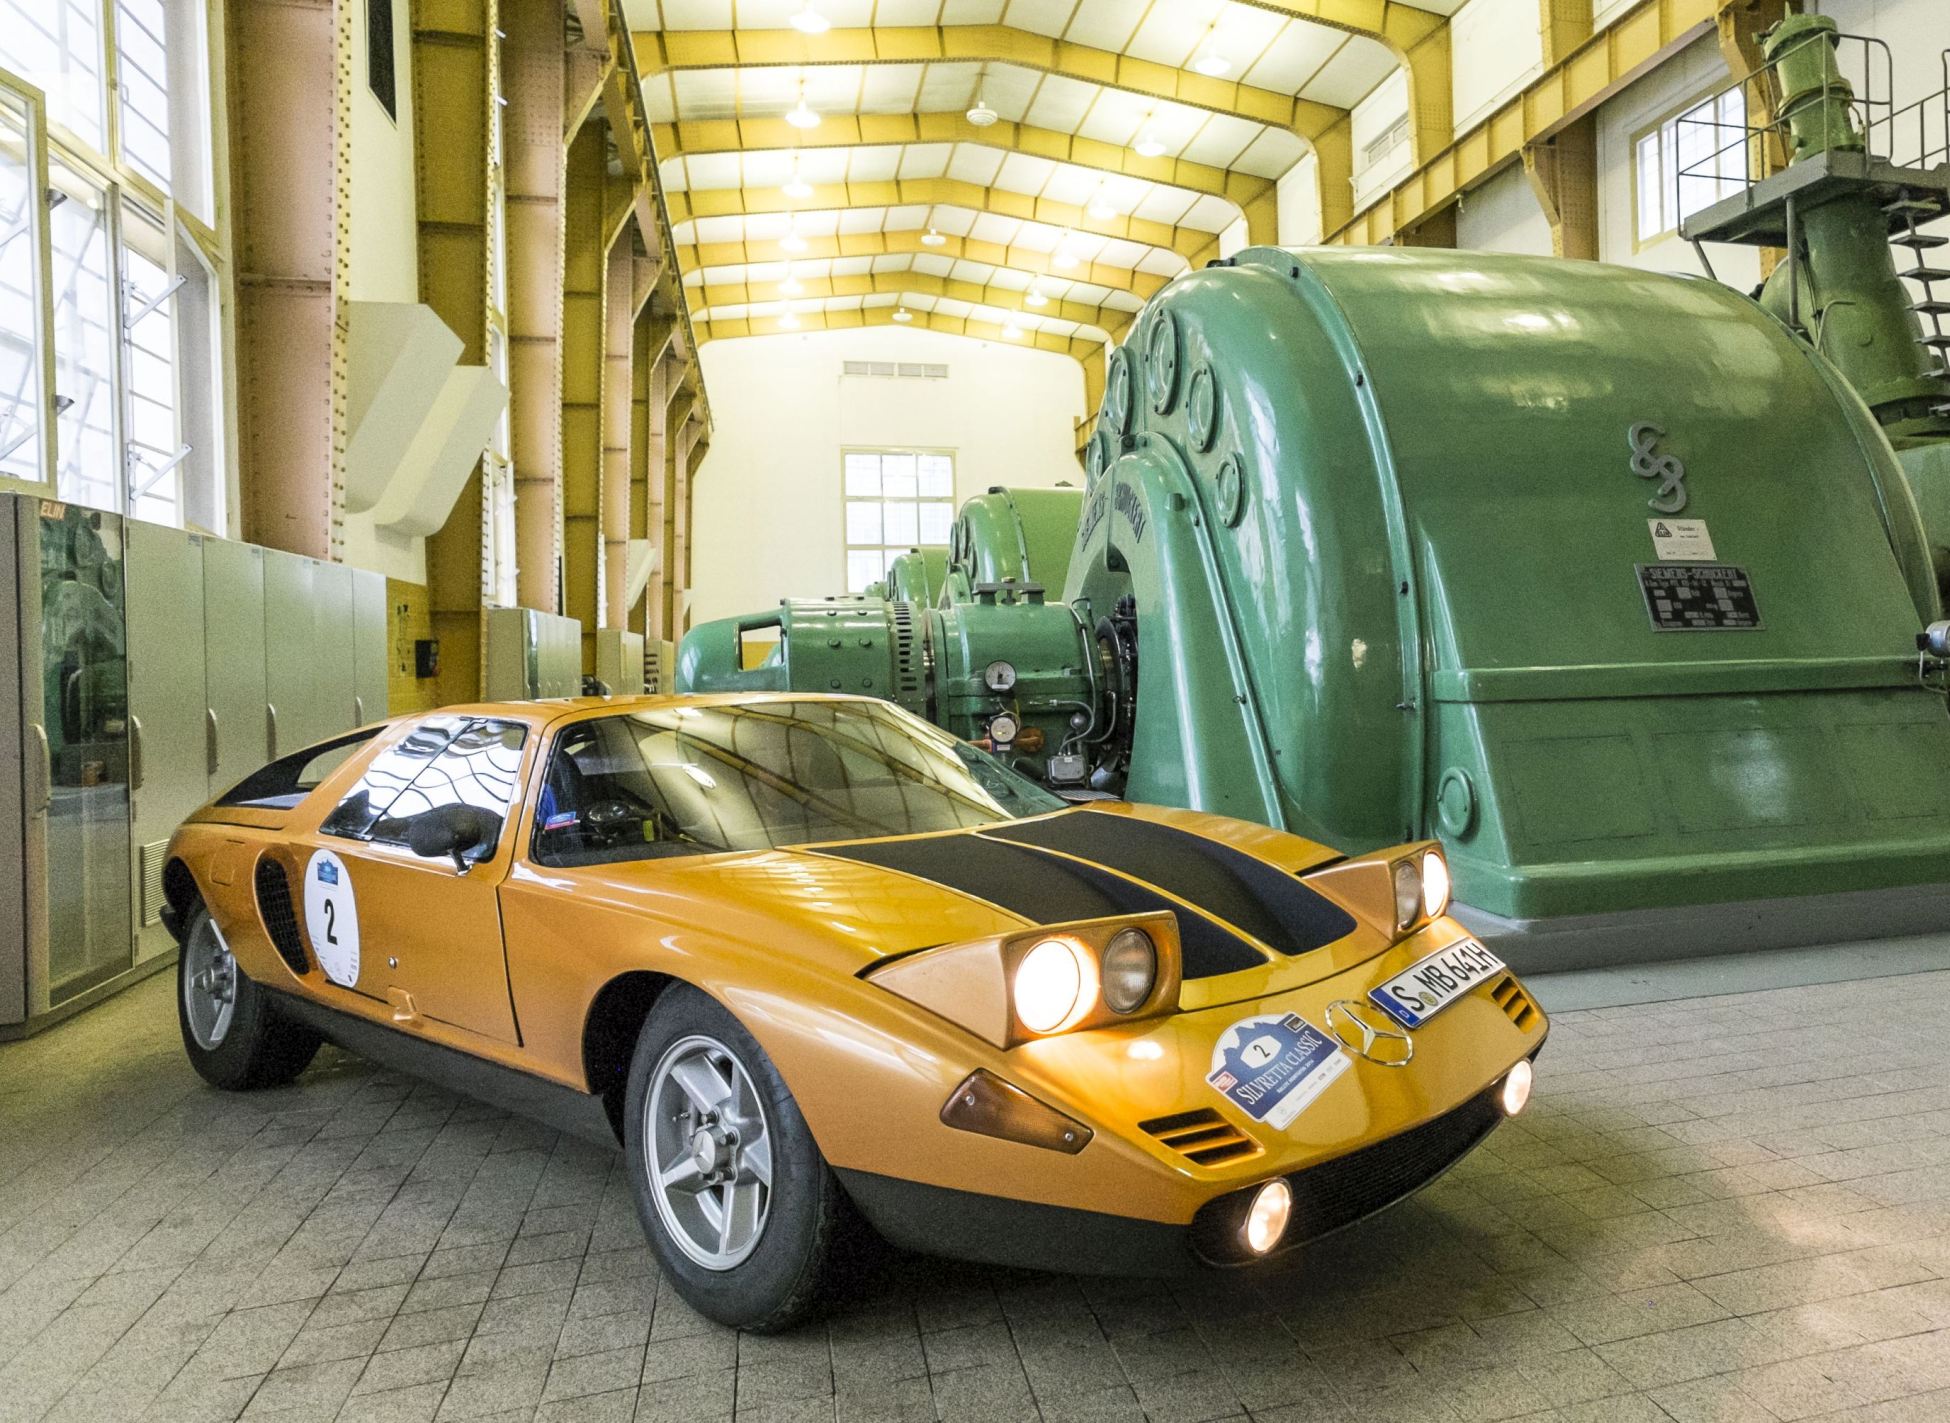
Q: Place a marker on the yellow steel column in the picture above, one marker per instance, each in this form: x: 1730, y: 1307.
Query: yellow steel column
x: 535, y: 64
x: 676, y: 505
x: 456, y: 61
x: 693, y: 461
x: 290, y: 94
x: 583, y: 264
x: 1431, y: 106
x: 618, y: 342
x: 656, y: 464
x: 1740, y: 24
x: 639, y: 471
x: 1563, y: 173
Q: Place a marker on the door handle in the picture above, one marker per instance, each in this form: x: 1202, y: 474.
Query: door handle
x: 271, y: 728
x: 42, y: 762
x: 358, y: 710
x: 211, y: 755
x: 135, y: 753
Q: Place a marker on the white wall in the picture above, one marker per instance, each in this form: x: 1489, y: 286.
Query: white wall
x: 1384, y: 107
x: 768, y: 496
x: 1299, y: 203
x: 1695, y: 72
x: 1916, y: 31
x: 385, y: 262
x: 1502, y: 216
x: 1496, y: 47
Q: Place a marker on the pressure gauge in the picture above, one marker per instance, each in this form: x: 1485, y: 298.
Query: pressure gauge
x: 999, y: 677
x: 1004, y: 729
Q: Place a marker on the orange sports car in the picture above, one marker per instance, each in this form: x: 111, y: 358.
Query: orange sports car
x: 810, y: 956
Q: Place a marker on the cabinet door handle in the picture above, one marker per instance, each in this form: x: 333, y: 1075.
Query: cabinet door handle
x: 211, y: 755
x: 135, y: 753
x: 42, y: 760
x: 358, y: 711
x: 271, y: 728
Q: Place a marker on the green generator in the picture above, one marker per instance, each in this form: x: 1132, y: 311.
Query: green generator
x: 1602, y: 576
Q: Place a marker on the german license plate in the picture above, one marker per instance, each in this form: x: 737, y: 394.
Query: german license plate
x: 1429, y: 985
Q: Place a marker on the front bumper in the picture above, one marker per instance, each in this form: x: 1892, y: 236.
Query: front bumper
x: 968, y: 1225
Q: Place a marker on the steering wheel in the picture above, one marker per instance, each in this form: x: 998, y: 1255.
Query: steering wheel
x: 609, y: 820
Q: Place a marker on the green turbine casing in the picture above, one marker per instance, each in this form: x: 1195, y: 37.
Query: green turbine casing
x: 1378, y: 517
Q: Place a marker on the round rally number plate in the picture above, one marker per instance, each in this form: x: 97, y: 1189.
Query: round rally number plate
x: 332, y: 918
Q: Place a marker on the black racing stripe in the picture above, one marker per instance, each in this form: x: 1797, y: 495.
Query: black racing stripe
x: 1047, y: 890
x: 1274, y: 907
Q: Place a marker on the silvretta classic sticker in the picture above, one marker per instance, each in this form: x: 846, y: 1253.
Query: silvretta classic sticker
x: 1271, y: 1067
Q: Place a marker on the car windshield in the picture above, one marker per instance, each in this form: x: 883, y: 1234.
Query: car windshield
x: 757, y: 775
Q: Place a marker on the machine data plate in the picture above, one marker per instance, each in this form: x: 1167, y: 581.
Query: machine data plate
x: 1699, y: 597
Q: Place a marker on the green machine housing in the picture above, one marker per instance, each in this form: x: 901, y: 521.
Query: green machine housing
x: 1378, y: 544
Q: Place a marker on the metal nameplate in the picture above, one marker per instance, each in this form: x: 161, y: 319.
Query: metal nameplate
x: 1699, y: 597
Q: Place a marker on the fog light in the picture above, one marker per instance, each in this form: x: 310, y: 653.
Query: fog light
x: 1050, y: 986
x: 1435, y: 884
x: 1408, y: 894
x: 1516, y: 1088
x: 1266, y: 1220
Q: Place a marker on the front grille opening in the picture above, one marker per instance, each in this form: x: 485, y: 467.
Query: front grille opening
x: 1339, y: 1192
x: 1514, y: 1002
x: 274, y: 908
x: 1202, y: 1136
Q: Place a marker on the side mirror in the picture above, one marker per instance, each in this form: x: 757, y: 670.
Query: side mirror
x: 453, y: 830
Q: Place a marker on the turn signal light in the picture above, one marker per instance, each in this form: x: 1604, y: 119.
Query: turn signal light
x: 985, y: 1104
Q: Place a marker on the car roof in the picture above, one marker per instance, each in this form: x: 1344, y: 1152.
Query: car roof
x: 547, y: 711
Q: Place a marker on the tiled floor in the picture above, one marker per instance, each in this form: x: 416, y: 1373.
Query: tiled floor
x: 1727, y: 1208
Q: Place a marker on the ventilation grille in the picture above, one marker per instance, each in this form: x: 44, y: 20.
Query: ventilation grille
x: 1380, y: 148
x: 1202, y: 1136
x: 154, y: 855
x: 274, y: 907
x: 897, y: 370
x: 1514, y: 1001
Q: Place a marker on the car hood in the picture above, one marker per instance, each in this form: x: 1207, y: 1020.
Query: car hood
x: 1233, y: 886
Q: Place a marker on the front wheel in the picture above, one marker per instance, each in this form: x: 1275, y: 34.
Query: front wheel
x: 235, y: 1037
x: 734, y: 1195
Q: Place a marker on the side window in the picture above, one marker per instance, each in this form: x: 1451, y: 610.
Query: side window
x: 289, y: 779
x: 442, y: 763
x: 600, y: 801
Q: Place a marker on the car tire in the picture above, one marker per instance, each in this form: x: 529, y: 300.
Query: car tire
x: 765, y: 1270
x: 235, y: 1037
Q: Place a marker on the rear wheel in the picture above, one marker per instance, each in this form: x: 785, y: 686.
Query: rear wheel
x: 235, y: 1037
x: 733, y: 1192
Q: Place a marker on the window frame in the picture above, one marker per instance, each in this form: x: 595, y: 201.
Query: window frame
x: 891, y: 551
x: 1669, y: 182
x: 108, y: 168
x: 33, y: 107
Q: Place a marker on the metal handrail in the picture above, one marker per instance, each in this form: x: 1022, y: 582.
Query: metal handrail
x: 1885, y: 129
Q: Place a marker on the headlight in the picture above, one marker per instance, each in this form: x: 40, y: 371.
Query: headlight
x: 1267, y: 1216
x: 1052, y: 986
x: 1408, y: 894
x: 1130, y: 971
x: 1435, y: 884
x: 1516, y: 1088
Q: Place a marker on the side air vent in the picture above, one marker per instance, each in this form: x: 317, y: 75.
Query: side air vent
x: 274, y: 908
x: 1202, y: 1136
x: 1514, y: 1001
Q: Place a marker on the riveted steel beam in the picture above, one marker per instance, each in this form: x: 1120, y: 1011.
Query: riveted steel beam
x: 1076, y: 347
x: 704, y: 137
x: 1187, y: 242
x: 1014, y: 256
x: 718, y: 295
x: 584, y: 326
x: 1563, y: 174
x: 1564, y: 24
x: 536, y: 70
x: 290, y: 91
x: 1638, y: 40
x: 657, y: 51
x: 678, y: 440
x: 618, y: 344
x: 456, y: 60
